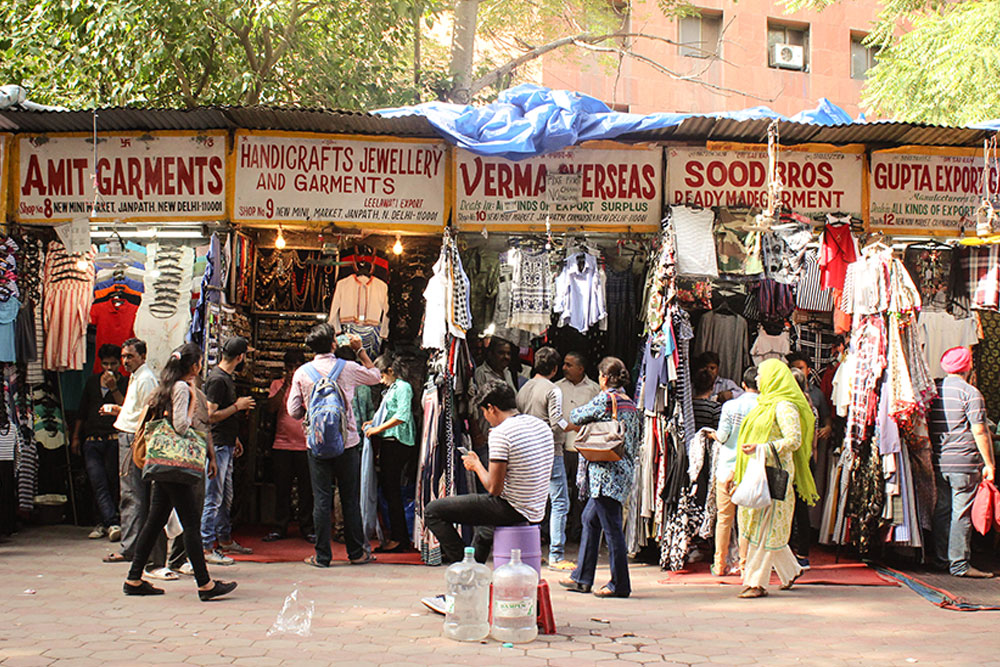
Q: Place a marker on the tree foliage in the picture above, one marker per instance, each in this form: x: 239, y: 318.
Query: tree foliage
x: 938, y: 62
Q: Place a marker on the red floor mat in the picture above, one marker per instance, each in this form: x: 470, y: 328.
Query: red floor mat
x: 824, y: 570
x: 293, y: 548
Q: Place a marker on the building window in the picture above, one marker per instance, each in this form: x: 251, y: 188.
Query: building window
x: 787, y: 46
x: 862, y: 57
x: 699, y: 35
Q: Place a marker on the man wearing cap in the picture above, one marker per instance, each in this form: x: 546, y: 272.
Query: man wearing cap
x: 963, y: 455
x: 223, y: 414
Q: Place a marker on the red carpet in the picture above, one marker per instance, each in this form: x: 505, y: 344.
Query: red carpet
x: 294, y: 549
x: 824, y: 571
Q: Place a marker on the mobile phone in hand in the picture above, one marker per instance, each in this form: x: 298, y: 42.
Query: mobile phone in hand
x: 462, y: 450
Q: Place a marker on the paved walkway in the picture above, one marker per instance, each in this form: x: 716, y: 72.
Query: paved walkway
x: 76, y: 614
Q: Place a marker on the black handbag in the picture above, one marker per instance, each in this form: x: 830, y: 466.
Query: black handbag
x: 777, y: 477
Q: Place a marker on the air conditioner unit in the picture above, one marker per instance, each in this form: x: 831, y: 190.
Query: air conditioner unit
x: 788, y: 56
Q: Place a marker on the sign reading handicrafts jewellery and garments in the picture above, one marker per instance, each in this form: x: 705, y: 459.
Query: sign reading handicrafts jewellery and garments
x: 126, y: 176
x: 926, y: 189
x: 816, y: 178
x: 617, y: 188
x: 305, y: 177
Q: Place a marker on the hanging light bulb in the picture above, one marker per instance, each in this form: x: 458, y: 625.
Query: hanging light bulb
x: 397, y: 248
x: 279, y: 242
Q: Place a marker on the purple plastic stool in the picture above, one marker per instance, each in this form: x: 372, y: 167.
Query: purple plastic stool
x: 527, y: 538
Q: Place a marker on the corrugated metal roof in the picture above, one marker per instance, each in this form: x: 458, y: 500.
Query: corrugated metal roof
x: 214, y: 118
x: 695, y: 128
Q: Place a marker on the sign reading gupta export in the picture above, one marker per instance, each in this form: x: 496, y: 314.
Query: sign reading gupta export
x: 816, y: 178
x: 618, y: 188
x: 138, y: 176
x: 927, y: 189
x: 303, y: 177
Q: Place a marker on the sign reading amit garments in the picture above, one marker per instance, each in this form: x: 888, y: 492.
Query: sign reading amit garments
x: 816, y: 178
x: 927, y: 189
x: 617, y: 188
x: 138, y: 176
x: 286, y: 176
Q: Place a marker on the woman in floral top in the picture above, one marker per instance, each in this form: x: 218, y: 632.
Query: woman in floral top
x: 607, y: 484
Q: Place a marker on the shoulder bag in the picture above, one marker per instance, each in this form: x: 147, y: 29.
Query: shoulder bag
x: 602, y: 441
x: 777, y: 477
x: 172, y: 457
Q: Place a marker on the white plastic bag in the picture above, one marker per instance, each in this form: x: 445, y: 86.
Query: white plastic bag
x: 753, y: 491
x: 295, y: 616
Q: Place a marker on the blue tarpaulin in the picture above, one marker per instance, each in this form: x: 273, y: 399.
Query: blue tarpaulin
x: 530, y: 120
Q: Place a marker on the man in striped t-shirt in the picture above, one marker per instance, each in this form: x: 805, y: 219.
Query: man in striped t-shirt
x: 963, y: 455
x: 517, y: 480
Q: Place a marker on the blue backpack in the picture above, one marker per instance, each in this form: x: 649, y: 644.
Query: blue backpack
x: 326, y: 413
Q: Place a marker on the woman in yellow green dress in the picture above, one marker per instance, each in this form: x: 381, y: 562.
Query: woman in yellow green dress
x: 783, y: 420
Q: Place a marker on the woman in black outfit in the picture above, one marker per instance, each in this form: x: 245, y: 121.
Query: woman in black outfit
x: 178, y: 399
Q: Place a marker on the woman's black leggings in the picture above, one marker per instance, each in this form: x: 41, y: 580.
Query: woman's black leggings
x: 164, y: 497
x: 393, y: 456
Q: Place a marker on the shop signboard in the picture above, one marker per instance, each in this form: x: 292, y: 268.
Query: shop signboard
x: 380, y: 182
x: 926, y: 190
x: 606, y: 187
x: 817, y: 178
x: 139, y: 176
x: 5, y: 140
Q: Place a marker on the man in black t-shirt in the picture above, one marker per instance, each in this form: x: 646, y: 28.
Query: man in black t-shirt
x: 223, y: 413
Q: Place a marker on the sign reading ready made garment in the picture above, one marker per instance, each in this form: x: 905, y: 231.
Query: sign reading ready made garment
x: 816, y: 178
x: 615, y: 188
x: 304, y: 177
x: 921, y: 189
x: 127, y: 176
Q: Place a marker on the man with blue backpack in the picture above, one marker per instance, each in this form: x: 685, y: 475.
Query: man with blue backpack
x: 321, y: 395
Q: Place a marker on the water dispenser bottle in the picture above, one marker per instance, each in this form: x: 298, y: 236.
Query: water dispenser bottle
x: 515, y: 598
x: 467, y: 600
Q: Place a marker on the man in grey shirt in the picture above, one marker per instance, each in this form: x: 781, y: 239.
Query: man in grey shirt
x: 541, y: 398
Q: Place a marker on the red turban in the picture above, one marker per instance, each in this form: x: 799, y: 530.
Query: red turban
x: 956, y: 360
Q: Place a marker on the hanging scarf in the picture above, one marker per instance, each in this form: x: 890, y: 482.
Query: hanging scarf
x: 776, y: 384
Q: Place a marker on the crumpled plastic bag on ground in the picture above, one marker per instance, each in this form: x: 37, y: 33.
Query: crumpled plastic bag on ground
x: 295, y: 616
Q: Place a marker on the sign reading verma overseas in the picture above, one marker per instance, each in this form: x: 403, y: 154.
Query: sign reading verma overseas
x: 816, y: 178
x: 138, y: 176
x: 304, y: 177
x: 619, y: 188
x: 927, y: 189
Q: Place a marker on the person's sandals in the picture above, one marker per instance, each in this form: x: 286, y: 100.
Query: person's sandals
x: 162, y: 574
x: 219, y: 589
x: 114, y: 558
x: 753, y: 592
x: 364, y: 560
x: 234, y: 547
x: 574, y: 586
x: 145, y: 588
x: 562, y: 566
x: 274, y: 536
x: 606, y: 592
x: 311, y: 560
x: 386, y: 549
x: 791, y: 583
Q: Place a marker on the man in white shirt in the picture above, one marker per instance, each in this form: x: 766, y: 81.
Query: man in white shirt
x: 540, y: 397
x: 577, y: 389
x: 142, y: 383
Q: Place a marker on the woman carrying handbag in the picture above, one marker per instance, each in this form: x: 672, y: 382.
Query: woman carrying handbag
x: 178, y: 442
x: 606, y: 479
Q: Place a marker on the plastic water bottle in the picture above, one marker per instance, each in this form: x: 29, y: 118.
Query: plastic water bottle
x: 515, y: 597
x: 467, y: 600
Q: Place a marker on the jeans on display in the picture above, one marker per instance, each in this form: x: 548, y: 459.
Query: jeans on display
x: 345, y: 470
x: 215, y: 515
x: 100, y: 456
x: 481, y: 510
x: 559, y: 495
x: 289, y: 464
x: 392, y: 458
x: 164, y: 497
x: 953, y: 519
x: 603, y: 514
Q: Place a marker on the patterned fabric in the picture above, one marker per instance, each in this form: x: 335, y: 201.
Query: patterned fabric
x: 816, y: 341
x: 930, y: 269
x: 988, y: 362
x: 869, y: 345
x: 774, y: 300
x: 684, y: 334
x: 975, y: 279
x: 784, y: 249
x: 737, y: 250
x: 809, y: 295
x: 611, y: 479
x: 531, y: 290
x: 771, y: 526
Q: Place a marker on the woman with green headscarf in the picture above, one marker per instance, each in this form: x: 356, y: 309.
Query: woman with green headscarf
x: 783, y: 420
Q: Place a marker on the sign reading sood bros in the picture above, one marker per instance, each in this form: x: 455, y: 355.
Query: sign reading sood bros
x: 618, y: 188
x: 126, y: 176
x: 284, y: 177
x: 815, y: 178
